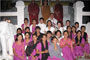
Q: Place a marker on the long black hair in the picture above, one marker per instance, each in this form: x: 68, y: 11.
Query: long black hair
x: 19, y: 35
x: 76, y: 39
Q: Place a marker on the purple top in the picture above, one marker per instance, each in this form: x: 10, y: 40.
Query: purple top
x: 19, y: 49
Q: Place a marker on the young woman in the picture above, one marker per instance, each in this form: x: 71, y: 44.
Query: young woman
x: 66, y: 45
x: 79, y: 44
x: 18, y: 48
x: 59, y: 27
x: 86, y: 46
x: 27, y: 38
x: 33, y: 26
x: 25, y: 25
x: 58, y: 35
x: 69, y: 32
x: 38, y: 33
x: 73, y: 40
x: 43, y: 45
x: 55, y: 50
x: 49, y: 36
x: 73, y: 32
x: 49, y: 27
x: 19, y: 30
x: 31, y: 49
x: 27, y: 29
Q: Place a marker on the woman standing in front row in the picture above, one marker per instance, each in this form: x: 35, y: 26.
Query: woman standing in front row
x: 42, y: 48
x: 66, y: 45
x: 18, y: 48
x: 55, y: 50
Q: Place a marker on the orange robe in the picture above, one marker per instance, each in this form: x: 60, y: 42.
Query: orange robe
x: 45, y: 12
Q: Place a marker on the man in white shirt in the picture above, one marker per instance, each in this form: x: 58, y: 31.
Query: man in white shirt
x: 77, y: 26
x: 68, y: 23
x: 42, y: 25
x: 53, y: 20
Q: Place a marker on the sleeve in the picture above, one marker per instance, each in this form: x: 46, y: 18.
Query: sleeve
x: 13, y: 45
x: 50, y: 49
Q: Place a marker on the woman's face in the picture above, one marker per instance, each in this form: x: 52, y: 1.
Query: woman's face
x: 27, y: 36
x: 79, y: 34
x: 35, y: 38
x: 26, y: 22
x: 38, y: 30
x: 83, y: 29
x: 19, y: 31
x: 19, y: 38
x: 73, y: 29
x: 27, y: 30
x: 44, y: 38
x: 68, y: 23
x: 69, y: 29
x: 49, y: 35
x: 58, y: 34
x: 49, y: 23
x: 65, y: 34
x: 55, y: 41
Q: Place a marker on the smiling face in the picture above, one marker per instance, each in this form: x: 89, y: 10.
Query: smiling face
x: 58, y: 34
x: 19, y: 38
x: 49, y: 23
x: 27, y: 36
x: 44, y: 38
x: 55, y: 41
x: 34, y: 37
x: 79, y: 34
x: 66, y: 34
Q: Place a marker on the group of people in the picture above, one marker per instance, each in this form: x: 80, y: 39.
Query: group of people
x: 44, y: 10
x: 50, y: 41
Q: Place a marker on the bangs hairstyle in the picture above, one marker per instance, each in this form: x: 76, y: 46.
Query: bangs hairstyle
x: 19, y: 29
x: 53, y: 38
x: 78, y: 32
x: 47, y: 23
x: 43, y: 35
x: 57, y: 32
x: 66, y: 31
x: 68, y: 27
x: 37, y: 27
x: 34, y: 35
x: 27, y: 28
x: 25, y: 19
x: 83, y: 27
x: 49, y: 32
x: 27, y: 33
x: 42, y: 18
x: 19, y: 35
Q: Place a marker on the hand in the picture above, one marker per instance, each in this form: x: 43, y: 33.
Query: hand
x: 46, y: 51
x: 33, y: 58
x: 22, y: 57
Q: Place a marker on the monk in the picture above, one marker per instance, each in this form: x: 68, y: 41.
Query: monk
x: 45, y: 9
x: 33, y: 10
x: 58, y: 12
